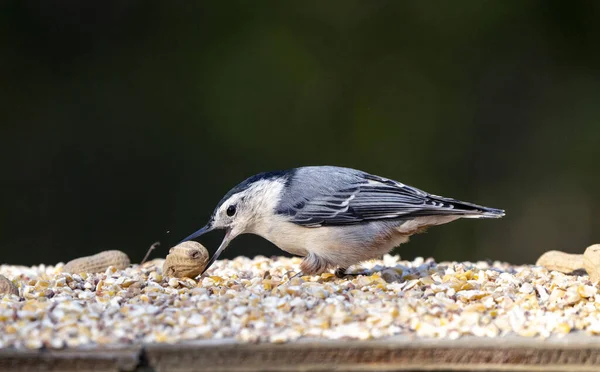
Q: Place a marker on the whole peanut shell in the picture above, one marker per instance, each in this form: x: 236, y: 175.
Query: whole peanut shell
x: 98, y: 263
x: 186, y: 260
x: 591, y: 262
x: 7, y: 287
x: 561, y: 261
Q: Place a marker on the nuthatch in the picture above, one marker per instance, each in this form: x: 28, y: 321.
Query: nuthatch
x: 334, y: 217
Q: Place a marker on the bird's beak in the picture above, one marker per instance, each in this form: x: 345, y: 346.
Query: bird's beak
x: 226, y: 240
x: 202, y: 231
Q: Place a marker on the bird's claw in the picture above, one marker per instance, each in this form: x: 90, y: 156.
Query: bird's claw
x: 296, y: 275
x: 341, y: 273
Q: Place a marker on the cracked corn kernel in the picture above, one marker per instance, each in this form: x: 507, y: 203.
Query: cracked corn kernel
x: 563, y: 328
x: 587, y: 291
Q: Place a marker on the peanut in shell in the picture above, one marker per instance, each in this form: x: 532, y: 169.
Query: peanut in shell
x: 186, y: 260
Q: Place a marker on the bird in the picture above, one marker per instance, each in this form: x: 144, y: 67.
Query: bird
x: 334, y: 217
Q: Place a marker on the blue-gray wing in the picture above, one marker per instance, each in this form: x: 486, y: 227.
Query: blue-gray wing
x: 329, y: 196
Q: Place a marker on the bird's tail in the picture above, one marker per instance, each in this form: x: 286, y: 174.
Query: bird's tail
x: 486, y: 212
x: 468, y: 210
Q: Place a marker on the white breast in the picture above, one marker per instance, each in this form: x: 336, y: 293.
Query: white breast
x: 288, y: 236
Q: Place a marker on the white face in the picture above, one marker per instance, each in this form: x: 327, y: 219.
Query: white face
x: 232, y: 214
x: 242, y: 211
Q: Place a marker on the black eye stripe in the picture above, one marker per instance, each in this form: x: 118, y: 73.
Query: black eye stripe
x: 231, y: 210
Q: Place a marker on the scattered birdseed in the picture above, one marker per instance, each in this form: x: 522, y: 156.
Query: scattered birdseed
x: 253, y: 300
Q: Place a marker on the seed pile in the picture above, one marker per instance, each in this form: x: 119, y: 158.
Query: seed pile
x: 252, y: 300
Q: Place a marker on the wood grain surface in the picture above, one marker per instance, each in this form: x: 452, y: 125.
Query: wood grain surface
x: 575, y: 352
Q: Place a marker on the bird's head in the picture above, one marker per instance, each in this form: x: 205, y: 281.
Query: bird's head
x: 242, y: 208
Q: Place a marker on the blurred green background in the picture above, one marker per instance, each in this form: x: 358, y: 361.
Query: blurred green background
x: 124, y: 122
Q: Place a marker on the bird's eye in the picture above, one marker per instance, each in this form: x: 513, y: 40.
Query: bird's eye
x: 231, y: 210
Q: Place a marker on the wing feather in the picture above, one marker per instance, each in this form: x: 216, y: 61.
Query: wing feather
x: 340, y: 196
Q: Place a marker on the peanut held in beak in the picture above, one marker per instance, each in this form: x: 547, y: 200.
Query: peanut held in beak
x: 186, y: 260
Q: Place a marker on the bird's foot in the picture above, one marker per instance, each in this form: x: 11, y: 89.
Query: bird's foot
x: 341, y: 273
